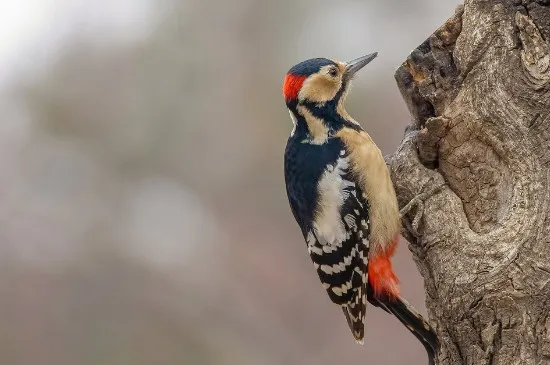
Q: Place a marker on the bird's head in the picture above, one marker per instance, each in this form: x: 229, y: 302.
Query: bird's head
x: 321, y: 81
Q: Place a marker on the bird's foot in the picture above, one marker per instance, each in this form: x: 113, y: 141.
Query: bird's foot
x: 418, y: 201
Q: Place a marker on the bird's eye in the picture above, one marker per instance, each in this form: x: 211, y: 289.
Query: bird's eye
x: 333, y: 72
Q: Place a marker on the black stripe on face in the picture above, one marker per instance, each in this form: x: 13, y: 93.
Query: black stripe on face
x: 342, y: 89
x: 328, y: 111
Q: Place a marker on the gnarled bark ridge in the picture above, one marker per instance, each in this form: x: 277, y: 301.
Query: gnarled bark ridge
x: 479, y: 93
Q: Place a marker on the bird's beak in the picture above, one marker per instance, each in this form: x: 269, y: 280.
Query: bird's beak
x: 355, y: 65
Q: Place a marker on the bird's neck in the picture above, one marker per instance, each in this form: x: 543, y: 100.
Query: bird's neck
x: 317, y: 123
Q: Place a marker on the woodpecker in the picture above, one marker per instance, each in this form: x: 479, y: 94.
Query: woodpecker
x: 342, y: 197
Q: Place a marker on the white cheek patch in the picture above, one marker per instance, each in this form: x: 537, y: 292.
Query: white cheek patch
x: 328, y: 223
x: 294, y: 122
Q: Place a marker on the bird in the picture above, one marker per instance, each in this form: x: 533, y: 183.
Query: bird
x: 342, y: 197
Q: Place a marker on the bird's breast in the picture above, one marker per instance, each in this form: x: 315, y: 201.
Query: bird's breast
x: 373, y: 177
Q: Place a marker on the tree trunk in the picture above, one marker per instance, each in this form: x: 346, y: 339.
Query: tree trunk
x: 478, y: 153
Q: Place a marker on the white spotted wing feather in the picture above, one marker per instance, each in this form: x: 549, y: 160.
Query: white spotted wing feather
x: 338, y: 243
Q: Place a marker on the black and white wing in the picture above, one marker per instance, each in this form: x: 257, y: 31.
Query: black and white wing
x: 338, y: 241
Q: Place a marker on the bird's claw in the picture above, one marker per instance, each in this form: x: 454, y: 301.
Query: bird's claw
x: 417, y: 201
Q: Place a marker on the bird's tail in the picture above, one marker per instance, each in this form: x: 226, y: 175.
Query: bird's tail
x: 413, y: 320
x: 355, y: 314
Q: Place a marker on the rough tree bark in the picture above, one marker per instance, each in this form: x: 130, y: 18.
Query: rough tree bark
x: 479, y: 148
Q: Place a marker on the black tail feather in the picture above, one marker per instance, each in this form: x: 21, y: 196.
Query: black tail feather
x: 413, y: 320
x: 355, y: 314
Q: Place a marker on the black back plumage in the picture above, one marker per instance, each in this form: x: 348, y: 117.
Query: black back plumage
x: 304, y: 165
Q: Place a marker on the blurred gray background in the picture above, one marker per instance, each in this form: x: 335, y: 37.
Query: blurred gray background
x: 143, y: 215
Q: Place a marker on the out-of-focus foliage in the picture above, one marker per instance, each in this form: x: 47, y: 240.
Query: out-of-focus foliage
x: 143, y: 216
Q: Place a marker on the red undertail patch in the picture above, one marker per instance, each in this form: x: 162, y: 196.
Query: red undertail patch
x: 382, y: 279
x: 292, y: 86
